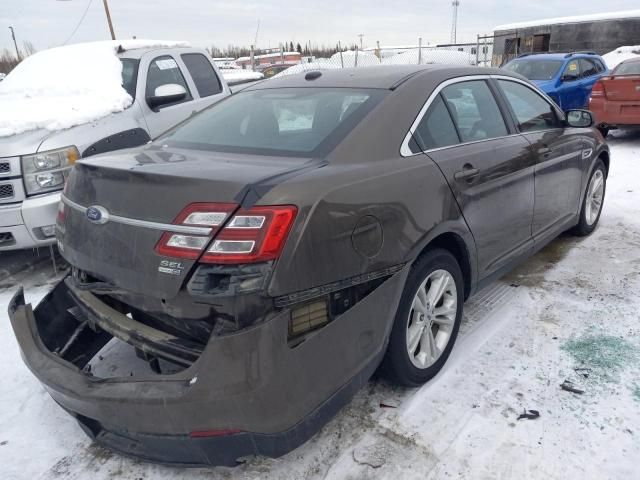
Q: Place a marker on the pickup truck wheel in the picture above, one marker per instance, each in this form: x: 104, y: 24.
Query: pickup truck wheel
x: 593, y: 201
x: 427, y: 320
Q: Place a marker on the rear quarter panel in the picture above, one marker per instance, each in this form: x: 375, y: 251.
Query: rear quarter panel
x: 367, y: 194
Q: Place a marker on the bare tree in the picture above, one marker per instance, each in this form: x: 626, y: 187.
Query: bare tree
x: 8, y: 59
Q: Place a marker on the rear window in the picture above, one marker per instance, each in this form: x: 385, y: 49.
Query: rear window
x: 628, y: 68
x: 286, y: 121
x: 129, y: 75
x: 203, y: 74
x: 535, y: 69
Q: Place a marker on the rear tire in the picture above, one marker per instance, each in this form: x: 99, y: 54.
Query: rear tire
x: 427, y: 320
x: 593, y: 201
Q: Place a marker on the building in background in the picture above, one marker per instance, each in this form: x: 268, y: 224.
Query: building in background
x: 600, y: 33
x: 270, y: 58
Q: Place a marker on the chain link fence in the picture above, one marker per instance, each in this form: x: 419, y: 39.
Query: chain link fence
x: 417, y: 54
x: 256, y: 66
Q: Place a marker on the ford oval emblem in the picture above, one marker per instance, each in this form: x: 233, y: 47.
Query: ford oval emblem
x: 97, y: 214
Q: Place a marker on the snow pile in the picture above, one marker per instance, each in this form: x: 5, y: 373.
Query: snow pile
x: 233, y: 77
x: 431, y: 55
x: 621, y: 54
x: 66, y: 86
x: 320, y: 64
x: 349, y: 57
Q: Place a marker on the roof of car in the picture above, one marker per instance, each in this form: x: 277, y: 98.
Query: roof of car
x: 555, y: 56
x: 380, y: 76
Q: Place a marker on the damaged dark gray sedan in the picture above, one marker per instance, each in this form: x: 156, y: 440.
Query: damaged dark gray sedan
x: 268, y: 255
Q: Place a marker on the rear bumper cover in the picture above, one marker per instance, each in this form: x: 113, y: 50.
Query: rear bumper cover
x: 614, y: 113
x: 252, y: 382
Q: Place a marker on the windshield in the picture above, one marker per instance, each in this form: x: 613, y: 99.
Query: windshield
x: 535, y: 69
x: 129, y: 75
x: 285, y: 121
x: 628, y: 68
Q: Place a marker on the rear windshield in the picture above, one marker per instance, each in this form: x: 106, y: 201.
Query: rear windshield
x: 129, y: 75
x: 535, y: 69
x: 284, y: 121
x: 629, y: 68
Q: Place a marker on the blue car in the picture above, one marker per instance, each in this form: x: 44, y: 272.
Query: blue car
x: 566, y: 77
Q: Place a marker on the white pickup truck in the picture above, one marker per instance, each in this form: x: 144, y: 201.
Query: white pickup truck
x: 168, y: 84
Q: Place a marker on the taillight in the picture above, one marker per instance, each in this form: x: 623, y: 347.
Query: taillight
x: 253, y: 235
x: 597, y: 90
x: 198, y: 222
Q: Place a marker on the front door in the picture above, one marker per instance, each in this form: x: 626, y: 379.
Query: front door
x: 489, y: 170
x: 569, y: 91
x: 164, y: 70
x: 558, y: 154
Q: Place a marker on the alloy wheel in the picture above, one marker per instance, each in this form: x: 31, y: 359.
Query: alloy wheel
x: 595, y: 194
x: 432, y: 318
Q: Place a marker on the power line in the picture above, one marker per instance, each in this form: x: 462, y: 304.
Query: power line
x: 79, y: 23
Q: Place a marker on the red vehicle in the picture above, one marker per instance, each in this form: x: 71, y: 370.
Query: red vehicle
x: 615, y: 98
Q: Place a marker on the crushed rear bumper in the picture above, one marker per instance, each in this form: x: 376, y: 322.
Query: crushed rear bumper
x: 248, y: 393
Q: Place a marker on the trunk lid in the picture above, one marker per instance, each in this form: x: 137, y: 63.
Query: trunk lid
x: 151, y: 185
x: 622, y: 88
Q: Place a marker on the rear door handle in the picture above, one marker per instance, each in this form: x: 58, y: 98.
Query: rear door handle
x: 467, y: 173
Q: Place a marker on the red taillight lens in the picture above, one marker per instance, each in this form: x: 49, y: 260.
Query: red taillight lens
x: 597, y: 90
x: 253, y: 235
x: 198, y: 222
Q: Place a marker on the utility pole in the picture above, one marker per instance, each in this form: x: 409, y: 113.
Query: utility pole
x: 361, y: 35
x: 454, y: 24
x: 13, y: 35
x: 106, y: 10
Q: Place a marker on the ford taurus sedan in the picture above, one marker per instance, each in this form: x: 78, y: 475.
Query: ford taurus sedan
x: 267, y: 256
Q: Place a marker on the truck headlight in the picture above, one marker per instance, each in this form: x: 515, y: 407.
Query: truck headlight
x: 47, y: 171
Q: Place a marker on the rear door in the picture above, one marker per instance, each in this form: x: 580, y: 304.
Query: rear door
x: 489, y: 170
x: 163, y: 70
x: 590, y: 71
x: 558, y: 157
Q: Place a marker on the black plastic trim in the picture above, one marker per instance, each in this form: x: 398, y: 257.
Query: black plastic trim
x: 125, y: 139
x: 292, y: 298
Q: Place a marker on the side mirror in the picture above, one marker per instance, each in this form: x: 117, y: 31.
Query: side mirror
x: 579, y: 118
x: 166, y: 94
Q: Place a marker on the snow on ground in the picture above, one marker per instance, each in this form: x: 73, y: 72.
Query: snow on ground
x: 350, y: 57
x: 365, y: 59
x: 319, y: 64
x: 431, y: 55
x: 620, y: 54
x: 568, y: 313
x: 66, y: 86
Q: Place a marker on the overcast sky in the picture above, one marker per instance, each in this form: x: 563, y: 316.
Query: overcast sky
x: 48, y: 23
